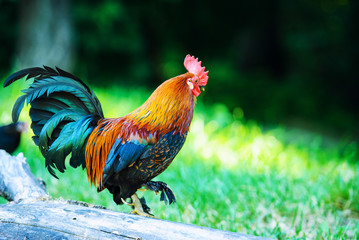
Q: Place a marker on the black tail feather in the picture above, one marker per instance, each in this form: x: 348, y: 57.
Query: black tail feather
x: 30, y: 72
x: 42, y: 73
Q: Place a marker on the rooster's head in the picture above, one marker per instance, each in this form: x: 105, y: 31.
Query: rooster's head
x: 200, y: 78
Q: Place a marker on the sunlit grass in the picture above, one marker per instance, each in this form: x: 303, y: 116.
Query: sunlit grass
x: 233, y: 175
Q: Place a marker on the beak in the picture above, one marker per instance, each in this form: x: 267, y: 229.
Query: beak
x: 202, y: 88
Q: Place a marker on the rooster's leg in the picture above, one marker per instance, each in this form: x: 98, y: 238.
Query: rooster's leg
x: 167, y: 194
x: 139, y: 206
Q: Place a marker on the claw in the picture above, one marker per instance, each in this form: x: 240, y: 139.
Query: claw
x: 139, y: 206
x: 127, y: 203
x: 167, y: 194
x: 170, y: 195
x: 140, y: 213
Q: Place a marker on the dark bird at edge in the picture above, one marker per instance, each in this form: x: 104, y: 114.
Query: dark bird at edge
x: 10, y: 136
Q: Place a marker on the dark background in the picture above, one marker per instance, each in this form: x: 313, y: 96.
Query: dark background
x: 283, y: 62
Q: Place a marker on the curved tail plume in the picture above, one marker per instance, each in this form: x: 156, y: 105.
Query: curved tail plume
x: 64, y: 111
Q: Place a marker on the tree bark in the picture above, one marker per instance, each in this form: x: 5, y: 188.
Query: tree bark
x: 64, y: 220
x: 17, y: 183
x: 46, y: 34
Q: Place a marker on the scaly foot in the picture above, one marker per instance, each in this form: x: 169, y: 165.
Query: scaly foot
x: 139, y: 206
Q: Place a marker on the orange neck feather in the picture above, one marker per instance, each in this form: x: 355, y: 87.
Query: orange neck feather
x: 170, y: 107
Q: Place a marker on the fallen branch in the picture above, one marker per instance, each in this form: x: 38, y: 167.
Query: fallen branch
x: 17, y: 183
x: 32, y: 215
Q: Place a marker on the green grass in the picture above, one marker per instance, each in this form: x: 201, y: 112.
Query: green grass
x: 233, y: 175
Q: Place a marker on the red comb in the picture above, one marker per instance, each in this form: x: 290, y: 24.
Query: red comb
x: 194, y: 66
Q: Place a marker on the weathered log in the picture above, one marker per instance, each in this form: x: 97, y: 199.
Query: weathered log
x: 50, y: 219
x: 31, y: 215
x: 17, y: 183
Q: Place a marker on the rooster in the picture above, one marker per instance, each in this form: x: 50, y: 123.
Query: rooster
x: 120, y: 154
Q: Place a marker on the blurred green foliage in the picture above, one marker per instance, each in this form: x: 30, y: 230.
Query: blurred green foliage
x: 290, y: 62
x: 232, y: 174
x: 286, y: 64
